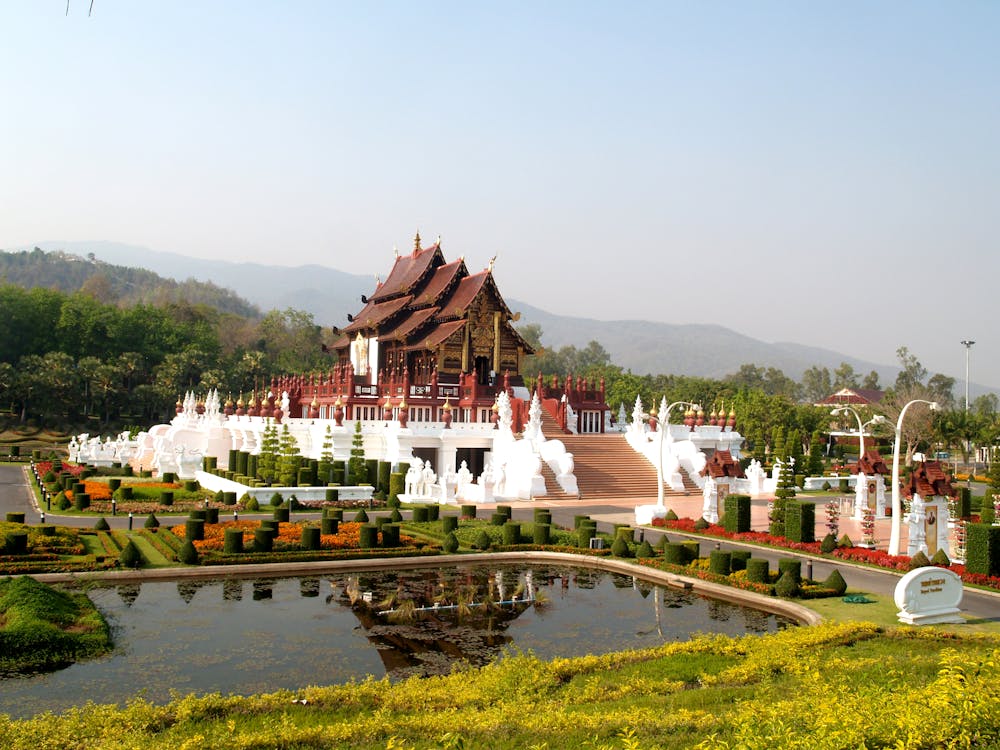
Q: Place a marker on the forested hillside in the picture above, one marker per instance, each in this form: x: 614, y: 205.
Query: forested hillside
x: 119, y: 284
x: 71, y: 360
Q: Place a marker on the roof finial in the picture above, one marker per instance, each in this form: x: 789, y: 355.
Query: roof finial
x: 416, y: 242
x: 493, y: 260
x: 439, y: 241
x: 395, y: 251
x: 378, y: 281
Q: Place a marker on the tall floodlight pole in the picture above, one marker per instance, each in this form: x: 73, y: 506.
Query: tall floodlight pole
x: 897, y: 506
x: 968, y: 345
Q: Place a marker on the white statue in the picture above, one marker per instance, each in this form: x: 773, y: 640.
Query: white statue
x: 413, y: 479
x: 428, y: 479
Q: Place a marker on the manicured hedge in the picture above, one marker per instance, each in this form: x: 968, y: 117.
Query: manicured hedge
x: 800, y: 521
x: 982, y: 549
x: 736, y: 513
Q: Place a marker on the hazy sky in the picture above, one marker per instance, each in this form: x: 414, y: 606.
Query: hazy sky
x: 825, y: 173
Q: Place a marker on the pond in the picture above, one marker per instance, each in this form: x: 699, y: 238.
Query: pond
x: 246, y: 636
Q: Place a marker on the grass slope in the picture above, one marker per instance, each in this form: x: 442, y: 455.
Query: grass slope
x: 43, y: 628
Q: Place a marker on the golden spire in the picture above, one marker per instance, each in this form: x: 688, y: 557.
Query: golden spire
x: 447, y: 404
x: 416, y: 241
x: 493, y: 260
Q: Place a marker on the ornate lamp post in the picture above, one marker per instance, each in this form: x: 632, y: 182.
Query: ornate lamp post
x: 662, y: 421
x: 877, y: 419
x: 897, y: 508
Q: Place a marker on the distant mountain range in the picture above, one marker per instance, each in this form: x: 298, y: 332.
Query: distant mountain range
x: 640, y: 346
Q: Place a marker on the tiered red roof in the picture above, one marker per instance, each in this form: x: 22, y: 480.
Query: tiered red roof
x: 929, y: 480
x: 721, y: 465
x: 871, y: 463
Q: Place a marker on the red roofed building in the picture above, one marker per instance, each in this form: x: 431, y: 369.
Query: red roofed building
x: 437, y: 342
x: 853, y: 397
x: 929, y: 480
x: 928, y: 488
x: 722, y: 465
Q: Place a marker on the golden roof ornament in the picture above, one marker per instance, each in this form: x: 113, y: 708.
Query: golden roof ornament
x: 447, y: 404
x: 493, y: 261
x: 338, y: 403
x: 416, y: 242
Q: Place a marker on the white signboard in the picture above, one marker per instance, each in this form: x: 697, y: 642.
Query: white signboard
x: 930, y: 595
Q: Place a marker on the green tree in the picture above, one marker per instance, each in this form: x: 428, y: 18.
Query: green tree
x: 816, y: 455
x: 816, y: 384
x: 912, y: 374
x: 357, y: 472
x: 267, y: 458
x: 784, y: 492
x: 290, y: 459
x: 844, y: 377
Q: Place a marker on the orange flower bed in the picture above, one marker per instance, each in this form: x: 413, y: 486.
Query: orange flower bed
x: 97, y: 490
x: 289, y: 535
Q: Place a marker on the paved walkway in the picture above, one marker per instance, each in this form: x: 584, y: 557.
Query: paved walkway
x: 16, y: 496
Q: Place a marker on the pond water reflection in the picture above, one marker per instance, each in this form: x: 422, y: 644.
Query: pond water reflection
x: 252, y: 635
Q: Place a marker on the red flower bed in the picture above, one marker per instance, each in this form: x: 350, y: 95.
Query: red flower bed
x: 877, y: 557
x: 44, y: 467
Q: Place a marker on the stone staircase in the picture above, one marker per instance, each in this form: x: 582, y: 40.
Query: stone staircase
x: 607, y: 468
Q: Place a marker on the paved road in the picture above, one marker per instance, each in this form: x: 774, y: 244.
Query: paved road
x: 15, y: 496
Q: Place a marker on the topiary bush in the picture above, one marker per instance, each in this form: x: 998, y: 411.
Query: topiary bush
x: 584, y: 534
x: 620, y: 548
x: 790, y: 565
x: 81, y: 500
x: 919, y: 560
x: 671, y: 516
x: 390, y: 535
x: 941, y: 559
x: 433, y: 512
x: 130, y: 556
x: 450, y: 544
x: 166, y: 497
x: 420, y: 514
x: 252, y: 506
x: 758, y: 570
x: 263, y: 540
x: 541, y: 533
x: 361, y: 517
x: 102, y: 524
x: 720, y: 562
x: 310, y: 538
x: 369, y: 536
x: 16, y: 518
x: 61, y: 501
x: 469, y: 511
x: 229, y: 498
x: 692, y: 549
x: 787, y: 586
x: 644, y: 550
x: 448, y: 524
x: 845, y: 541
x: 800, y: 521
x: 835, y: 582
x: 188, y: 553
x: 232, y: 543
x: 736, y: 516
x: 482, y: 541
x: 701, y: 524
x: 498, y: 519
x: 829, y: 544
x: 329, y: 526
x: 151, y: 522
x: 276, y: 500
x: 194, y: 529
x: 511, y: 533
x: 739, y: 559
x: 674, y: 553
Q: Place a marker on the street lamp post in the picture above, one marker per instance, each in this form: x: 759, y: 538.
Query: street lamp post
x: 877, y: 419
x: 897, y: 508
x: 967, y: 343
x: 662, y: 423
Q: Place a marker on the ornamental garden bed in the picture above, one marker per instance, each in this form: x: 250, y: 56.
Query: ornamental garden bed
x: 855, y: 554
